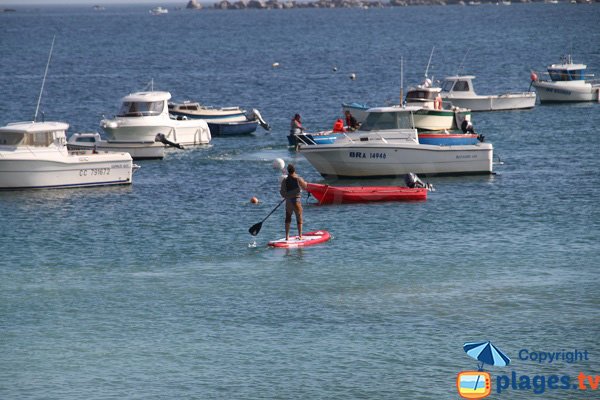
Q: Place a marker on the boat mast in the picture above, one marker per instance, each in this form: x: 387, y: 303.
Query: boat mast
x: 460, y: 66
x: 37, y: 108
x: 401, y: 80
x: 429, y: 62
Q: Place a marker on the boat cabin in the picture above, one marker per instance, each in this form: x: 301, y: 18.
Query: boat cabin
x: 186, y: 106
x: 384, y: 118
x: 33, y: 134
x: 463, y: 85
x: 567, y: 71
x: 144, y: 104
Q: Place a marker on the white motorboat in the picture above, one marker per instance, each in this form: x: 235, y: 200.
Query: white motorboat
x: 221, y: 120
x: 159, y: 11
x: 567, y: 83
x: 138, y: 150
x: 434, y: 114
x: 144, y: 115
x: 386, y: 146
x: 34, y: 155
x: 459, y: 90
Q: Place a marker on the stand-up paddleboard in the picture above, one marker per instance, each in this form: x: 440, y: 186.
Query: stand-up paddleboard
x: 308, y: 239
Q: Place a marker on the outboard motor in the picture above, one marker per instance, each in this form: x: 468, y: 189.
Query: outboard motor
x: 254, y: 115
x: 412, y: 181
x: 163, y: 139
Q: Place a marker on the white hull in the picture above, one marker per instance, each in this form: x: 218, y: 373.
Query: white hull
x: 363, y: 160
x: 138, y: 151
x: 432, y: 120
x: 145, y: 129
x: 24, y: 169
x: 509, y: 101
x: 566, y: 91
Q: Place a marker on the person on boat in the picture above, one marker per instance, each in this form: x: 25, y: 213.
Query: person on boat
x: 438, y: 102
x: 296, y: 125
x: 291, y: 190
x: 338, y: 126
x: 467, y: 126
x: 351, y: 122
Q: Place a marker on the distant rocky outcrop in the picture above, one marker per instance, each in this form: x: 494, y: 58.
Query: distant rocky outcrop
x: 193, y: 5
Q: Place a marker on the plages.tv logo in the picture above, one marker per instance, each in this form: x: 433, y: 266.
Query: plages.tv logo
x: 478, y: 384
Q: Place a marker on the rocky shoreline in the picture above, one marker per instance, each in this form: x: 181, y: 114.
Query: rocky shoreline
x: 287, y: 4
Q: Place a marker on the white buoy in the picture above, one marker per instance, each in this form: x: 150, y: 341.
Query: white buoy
x: 275, y: 65
x: 353, y: 76
x: 334, y: 69
x: 278, y: 164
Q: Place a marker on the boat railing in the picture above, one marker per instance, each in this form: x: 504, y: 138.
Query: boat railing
x: 303, y: 138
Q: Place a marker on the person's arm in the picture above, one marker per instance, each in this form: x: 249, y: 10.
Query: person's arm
x: 302, y: 183
x: 282, y: 189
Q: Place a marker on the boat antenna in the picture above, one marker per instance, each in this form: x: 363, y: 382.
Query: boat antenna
x: 429, y: 62
x: 37, y: 108
x: 401, y: 80
x: 460, y: 66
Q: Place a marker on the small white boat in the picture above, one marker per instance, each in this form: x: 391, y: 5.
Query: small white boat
x: 144, y: 115
x: 460, y: 92
x: 34, y: 155
x: 159, y: 11
x: 138, y: 150
x: 567, y: 83
x: 434, y: 114
x: 221, y: 120
x: 390, y: 149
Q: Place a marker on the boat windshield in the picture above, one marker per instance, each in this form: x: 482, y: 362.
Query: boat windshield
x: 566, y: 75
x: 141, y: 108
x: 447, y: 86
x: 39, y: 139
x: 420, y: 95
x: 387, y: 120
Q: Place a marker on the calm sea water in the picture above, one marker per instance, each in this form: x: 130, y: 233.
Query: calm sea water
x: 158, y: 291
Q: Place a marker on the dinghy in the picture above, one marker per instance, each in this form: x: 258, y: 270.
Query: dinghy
x: 326, y: 194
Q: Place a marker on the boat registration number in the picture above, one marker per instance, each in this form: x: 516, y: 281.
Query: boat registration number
x: 94, y: 171
x: 361, y: 154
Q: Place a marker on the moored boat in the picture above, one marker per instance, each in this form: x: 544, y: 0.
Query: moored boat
x: 567, y: 83
x: 144, y: 115
x: 222, y: 121
x: 327, y: 194
x: 386, y: 146
x: 138, y: 150
x: 460, y: 92
x: 34, y: 155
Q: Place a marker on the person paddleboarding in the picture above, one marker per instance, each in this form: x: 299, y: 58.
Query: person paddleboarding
x: 291, y: 191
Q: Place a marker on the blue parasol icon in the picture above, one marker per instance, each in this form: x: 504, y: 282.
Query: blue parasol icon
x: 487, y: 353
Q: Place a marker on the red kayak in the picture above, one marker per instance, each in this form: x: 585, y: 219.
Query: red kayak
x: 326, y: 194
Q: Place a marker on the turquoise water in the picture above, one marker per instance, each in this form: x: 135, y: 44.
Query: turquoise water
x: 158, y: 291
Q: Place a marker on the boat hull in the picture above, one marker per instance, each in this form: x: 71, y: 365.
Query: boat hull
x: 137, y: 150
x: 184, y: 132
x: 20, y: 171
x: 559, y: 92
x: 326, y: 194
x: 359, y: 160
x: 232, y: 128
x: 504, y: 102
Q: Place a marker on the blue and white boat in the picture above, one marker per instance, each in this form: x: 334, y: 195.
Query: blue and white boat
x: 222, y: 121
x: 567, y: 83
x: 382, y: 118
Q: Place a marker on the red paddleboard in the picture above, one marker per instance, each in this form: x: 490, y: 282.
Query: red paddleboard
x: 308, y: 239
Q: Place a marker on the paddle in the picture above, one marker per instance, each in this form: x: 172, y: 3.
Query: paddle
x: 254, y: 229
